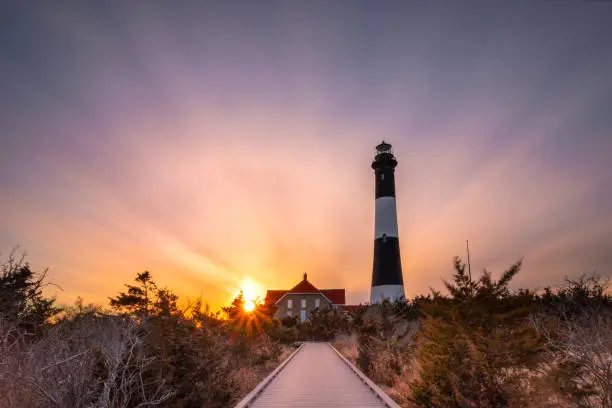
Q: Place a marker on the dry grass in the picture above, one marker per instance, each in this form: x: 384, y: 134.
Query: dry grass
x: 109, y: 361
x: 394, y: 367
x: 89, y: 362
x: 346, y: 344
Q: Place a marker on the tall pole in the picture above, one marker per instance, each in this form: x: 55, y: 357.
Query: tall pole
x: 387, y: 279
x: 467, y: 245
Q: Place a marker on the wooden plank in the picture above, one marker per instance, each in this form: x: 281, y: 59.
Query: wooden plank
x: 250, y: 397
x: 377, y: 390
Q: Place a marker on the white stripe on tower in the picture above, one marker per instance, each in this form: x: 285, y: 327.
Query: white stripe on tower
x: 387, y: 279
x: 385, y: 221
x: 387, y: 292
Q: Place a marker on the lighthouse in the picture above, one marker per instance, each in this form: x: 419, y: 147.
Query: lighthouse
x: 387, y: 280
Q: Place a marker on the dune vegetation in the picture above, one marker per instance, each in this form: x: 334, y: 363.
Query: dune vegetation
x: 482, y: 344
x: 478, y: 344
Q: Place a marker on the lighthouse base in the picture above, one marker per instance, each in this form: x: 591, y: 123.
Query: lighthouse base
x: 387, y: 292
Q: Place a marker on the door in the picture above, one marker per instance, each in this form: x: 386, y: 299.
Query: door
x: 302, y: 315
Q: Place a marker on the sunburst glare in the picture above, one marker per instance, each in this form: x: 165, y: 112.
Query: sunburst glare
x: 251, y: 289
x: 249, y: 306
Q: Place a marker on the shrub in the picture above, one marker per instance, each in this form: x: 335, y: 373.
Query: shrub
x: 153, y: 354
x: 385, y: 344
x: 576, y: 323
x: 475, y: 345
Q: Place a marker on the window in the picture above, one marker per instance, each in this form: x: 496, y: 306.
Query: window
x: 317, y: 302
x: 289, y: 303
x: 303, y: 303
x: 289, y: 313
x: 382, y: 176
x: 302, y: 315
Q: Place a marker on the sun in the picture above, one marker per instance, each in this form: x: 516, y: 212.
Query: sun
x: 251, y: 293
x: 249, y: 306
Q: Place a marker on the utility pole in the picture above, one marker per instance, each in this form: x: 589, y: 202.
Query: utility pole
x: 467, y: 245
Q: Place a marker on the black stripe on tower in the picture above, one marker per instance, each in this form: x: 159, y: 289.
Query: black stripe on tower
x: 387, y: 262
x: 384, y: 168
x: 385, y: 182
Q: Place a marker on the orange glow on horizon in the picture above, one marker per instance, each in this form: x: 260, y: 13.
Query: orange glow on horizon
x: 252, y: 290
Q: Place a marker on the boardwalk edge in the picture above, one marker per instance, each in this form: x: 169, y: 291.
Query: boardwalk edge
x: 375, y: 388
x: 251, y: 396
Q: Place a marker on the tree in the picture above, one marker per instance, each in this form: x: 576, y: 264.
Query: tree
x: 475, y: 345
x: 165, y: 303
x: 256, y: 321
x: 139, y: 298
x: 21, y: 298
x: 238, y: 319
x: 235, y: 310
x: 145, y: 298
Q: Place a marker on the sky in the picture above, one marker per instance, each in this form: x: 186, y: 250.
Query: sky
x: 218, y: 143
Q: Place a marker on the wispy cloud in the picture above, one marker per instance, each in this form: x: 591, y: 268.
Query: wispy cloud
x: 211, y: 145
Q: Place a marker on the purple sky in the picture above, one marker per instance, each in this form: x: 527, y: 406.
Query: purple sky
x: 218, y: 142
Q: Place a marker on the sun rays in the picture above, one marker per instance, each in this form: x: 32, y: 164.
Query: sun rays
x: 249, y: 306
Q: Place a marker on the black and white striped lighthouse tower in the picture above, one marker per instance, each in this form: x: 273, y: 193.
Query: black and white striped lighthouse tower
x: 387, y: 280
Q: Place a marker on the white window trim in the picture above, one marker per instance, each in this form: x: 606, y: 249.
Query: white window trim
x: 305, y: 293
x: 303, y: 303
x: 289, y: 303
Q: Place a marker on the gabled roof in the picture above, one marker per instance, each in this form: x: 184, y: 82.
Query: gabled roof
x: 335, y: 296
x: 273, y: 295
x: 304, y: 287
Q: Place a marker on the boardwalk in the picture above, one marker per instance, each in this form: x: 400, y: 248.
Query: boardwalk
x: 316, y: 376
